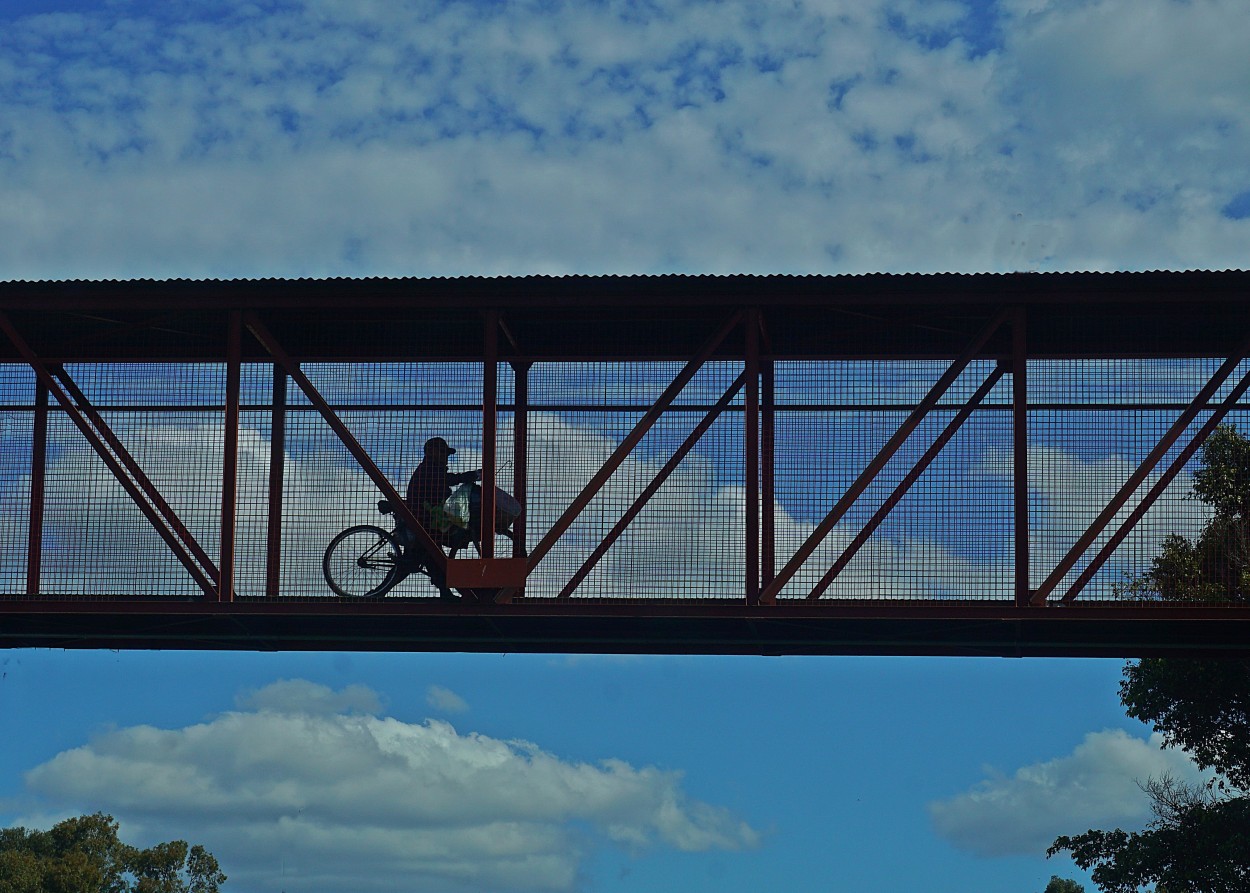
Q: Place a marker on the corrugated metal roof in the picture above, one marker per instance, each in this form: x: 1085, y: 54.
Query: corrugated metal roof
x: 589, y: 277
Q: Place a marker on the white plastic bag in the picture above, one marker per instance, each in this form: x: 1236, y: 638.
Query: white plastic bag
x: 457, y: 505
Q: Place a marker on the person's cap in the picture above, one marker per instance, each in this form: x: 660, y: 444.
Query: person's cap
x: 438, y: 445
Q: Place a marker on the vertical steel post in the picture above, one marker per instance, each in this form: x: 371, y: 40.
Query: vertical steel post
x: 1020, y: 453
x: 277, y: 473
x: 768, y: 498
x: 490, y: 421
x: 38, y: 473
x: 520, y: 454
x: 230, y: 457
x: 751, y: 447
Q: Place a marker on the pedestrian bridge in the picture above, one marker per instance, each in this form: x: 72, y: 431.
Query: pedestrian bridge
x: 943, y: 464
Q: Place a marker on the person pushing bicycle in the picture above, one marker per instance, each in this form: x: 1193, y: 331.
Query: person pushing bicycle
x: 367, y: 561
x: 430, y: 486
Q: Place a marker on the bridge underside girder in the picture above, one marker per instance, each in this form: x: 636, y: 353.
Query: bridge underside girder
x: 722, y: 627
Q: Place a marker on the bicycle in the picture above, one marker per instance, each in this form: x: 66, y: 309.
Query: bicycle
x: 368, y: 561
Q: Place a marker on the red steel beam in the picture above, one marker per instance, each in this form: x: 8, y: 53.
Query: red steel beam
x: 137, y: 473
x: 38, y: 476
x: 114, y: 465
x: 1143, y: 471
x: 866, y: 477
x: 490, y: 409
x: 398, y: 505
x: 908, y: 480
x: 277, y: 469
x: 1156, y: 490
x: 631, y: 440
x: 652, y: 488
x: 768, y: 490
x: 520, y: 458
x: 1020, y: 454
x: 751, y: 459
x: 230, y: 456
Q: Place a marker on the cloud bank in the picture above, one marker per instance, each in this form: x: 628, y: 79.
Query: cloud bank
x: 1095, y: 786
x: 324, y: 137
x: 305, y: 790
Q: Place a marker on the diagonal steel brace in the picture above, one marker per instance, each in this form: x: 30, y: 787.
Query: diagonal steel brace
x: 1156, y: 490
x: 1137, y: 477
x: 631, y: 440
x: 906, y: 483
x: 843, y: 505
x: 122, y: 465
x: 652, y: 488
x: 136, y: 471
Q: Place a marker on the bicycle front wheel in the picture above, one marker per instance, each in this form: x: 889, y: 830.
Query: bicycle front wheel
x: 362, y: 561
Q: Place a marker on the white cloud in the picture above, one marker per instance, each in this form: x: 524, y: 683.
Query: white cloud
x: 445, y: 700
x: 299, y: 696
x: 293, y: 795
x: 1093, y: 787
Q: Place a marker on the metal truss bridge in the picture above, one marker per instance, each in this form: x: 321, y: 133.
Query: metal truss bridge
x: 944, y: 464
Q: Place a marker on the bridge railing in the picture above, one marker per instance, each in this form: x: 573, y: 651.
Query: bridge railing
x: 812, y: 425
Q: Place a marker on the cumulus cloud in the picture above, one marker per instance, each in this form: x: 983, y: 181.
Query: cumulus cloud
x: 298, y: 696
x: 322, y: 137
x: 1095, y: 786
x: 445, y: 699
x: 307, y: 792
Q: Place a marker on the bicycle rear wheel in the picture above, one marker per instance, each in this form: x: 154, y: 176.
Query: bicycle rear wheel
x: 362, y: 562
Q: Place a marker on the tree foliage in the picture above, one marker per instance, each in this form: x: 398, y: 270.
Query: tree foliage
x: 1199, y: 839
x: 85, y: 855
x: 1200, y: 846
x: 1215, y: 567
x: 1201, y: 706
x: 1063, y: 885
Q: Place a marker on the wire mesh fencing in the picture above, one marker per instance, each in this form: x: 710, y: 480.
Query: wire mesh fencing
x: 666, y: 518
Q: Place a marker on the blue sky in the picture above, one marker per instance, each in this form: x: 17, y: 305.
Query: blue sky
x: 821, y: 773
x: 318, y: 137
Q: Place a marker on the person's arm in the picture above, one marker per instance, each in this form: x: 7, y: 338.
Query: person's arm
x: 465, y: 477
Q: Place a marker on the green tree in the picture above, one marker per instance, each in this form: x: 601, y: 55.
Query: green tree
x: 1063, y: 885
x: 1215, y: 567
x: 1199, y: 838
x: 85, y: 855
